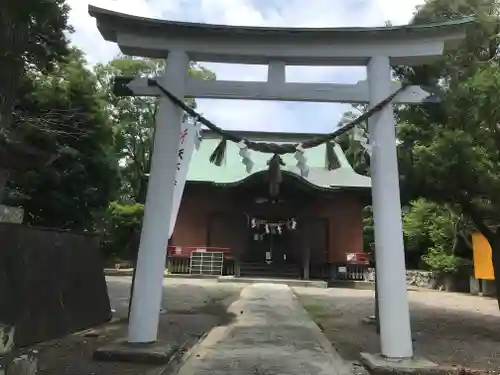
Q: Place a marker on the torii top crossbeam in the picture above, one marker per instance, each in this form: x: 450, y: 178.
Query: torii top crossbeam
x: 406, y: 45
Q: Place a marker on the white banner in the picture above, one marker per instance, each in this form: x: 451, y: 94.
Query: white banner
x: 187, y: 141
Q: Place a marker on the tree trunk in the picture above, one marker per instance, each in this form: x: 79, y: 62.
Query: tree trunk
x: 493, y: 237
x: 4, y: 175
x: 142, y: 191
x: 495, y: 257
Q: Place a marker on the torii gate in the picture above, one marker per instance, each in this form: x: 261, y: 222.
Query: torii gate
x: 376, y: 48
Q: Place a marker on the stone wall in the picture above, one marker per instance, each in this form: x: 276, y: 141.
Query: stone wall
x: 51, y: 282
x: 460, y: 282
x: 421, y: 279
x: 417, y: 278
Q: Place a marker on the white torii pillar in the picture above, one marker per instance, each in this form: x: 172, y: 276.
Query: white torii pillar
x: 394, y: 316
x: 148, y: 286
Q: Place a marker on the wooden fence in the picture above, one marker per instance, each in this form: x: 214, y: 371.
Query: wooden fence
x: 51, y: 282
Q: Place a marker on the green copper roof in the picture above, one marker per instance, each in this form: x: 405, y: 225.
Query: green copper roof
x: 233, y: 170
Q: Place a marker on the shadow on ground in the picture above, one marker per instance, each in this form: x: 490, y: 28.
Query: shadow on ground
x: 447, y: 336
x: 190, y: 312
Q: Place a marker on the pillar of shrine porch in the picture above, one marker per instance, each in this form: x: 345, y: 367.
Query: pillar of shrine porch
x: 148, y: 286
x: 395, y: 331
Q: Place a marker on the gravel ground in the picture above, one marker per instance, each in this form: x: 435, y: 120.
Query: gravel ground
x: 190, y: 308
x: 448, y: 328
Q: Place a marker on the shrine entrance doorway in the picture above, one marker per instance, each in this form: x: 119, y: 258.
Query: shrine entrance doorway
x: 271, y: 241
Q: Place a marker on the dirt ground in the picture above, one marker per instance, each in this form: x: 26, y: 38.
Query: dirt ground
x: 190, y: 308
x: 448, y: 328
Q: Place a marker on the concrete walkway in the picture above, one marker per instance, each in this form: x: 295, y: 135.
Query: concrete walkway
x: 272, y: 334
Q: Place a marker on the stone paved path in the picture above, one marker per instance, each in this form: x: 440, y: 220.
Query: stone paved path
x: 272, y: 334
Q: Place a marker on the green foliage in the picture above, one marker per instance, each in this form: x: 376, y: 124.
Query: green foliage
x: 60, y: 113
x: 449, y: 153
x: 427, y: 224
x: 133, y: 120
x: 447, y: 139
x: 431, y: 234
x: 121, y: 226
x: 368, y: 234
x: 440, y: 261
x: 32, y: 36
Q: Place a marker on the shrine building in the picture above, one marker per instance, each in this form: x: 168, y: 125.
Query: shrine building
x: 311, y: 229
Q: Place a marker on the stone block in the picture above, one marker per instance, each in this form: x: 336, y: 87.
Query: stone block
x: 475, y: 287
x: 377, y: 364
x: 152, y: 353
x: 488, y: 288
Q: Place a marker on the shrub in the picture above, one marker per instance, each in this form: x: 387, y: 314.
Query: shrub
x: 121, y: 227
x: 440, y: 261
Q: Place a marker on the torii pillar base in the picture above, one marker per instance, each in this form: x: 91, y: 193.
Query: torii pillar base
x: 155, y: 353
x: 377, y: 364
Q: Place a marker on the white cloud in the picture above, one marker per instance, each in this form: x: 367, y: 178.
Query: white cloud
x: 277, y: 116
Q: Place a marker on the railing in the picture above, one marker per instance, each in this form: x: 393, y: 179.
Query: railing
x: 178, y: 258
x: 356, y: 268
x: 185, y: 251
x: 352, y: 272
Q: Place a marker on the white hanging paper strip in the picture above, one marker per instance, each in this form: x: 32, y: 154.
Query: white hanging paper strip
x: 358, y: 134
x: 249, y: 165
x: 301, y: 161
x: 367, y: 146
x: 197, y: 141
x: 245, y: 155
x: 299, y: 154
x: 304, y: 170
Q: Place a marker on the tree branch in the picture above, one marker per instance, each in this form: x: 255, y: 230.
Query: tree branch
x: 469, y: 209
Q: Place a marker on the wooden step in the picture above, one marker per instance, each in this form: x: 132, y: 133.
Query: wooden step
x: 248, y: 269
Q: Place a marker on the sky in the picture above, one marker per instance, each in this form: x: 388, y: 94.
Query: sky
x: 254, y: 115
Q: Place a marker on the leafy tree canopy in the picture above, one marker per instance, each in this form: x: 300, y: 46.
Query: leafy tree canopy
x: 133, y: 120
x: 449, y: 153
x: 61, y: 113
x: 32, y: 35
